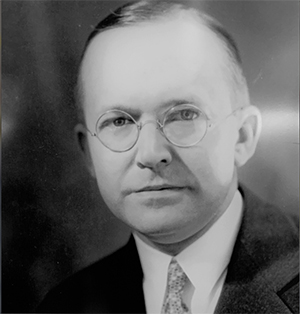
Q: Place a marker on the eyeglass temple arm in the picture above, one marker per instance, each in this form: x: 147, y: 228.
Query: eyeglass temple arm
x: 211, y: 122
x: 92, y: 134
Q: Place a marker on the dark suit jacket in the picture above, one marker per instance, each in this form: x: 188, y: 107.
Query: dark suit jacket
x: 262, y: 275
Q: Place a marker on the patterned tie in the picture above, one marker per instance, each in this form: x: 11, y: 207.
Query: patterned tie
x: 173, y: 303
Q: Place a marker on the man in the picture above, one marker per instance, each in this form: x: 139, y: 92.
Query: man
x: 166, y: 122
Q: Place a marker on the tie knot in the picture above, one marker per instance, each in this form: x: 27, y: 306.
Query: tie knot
x: 176, y: 277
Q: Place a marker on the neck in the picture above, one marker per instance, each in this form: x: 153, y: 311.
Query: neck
x: 175, y: 248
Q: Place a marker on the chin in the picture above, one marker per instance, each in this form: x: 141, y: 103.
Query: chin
x: 161, y: 231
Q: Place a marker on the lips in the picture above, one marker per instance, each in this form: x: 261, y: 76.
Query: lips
x: 155, y: 188
x: 158, y: 188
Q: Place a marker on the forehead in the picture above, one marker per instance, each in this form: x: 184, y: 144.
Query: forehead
x: 149, y: 61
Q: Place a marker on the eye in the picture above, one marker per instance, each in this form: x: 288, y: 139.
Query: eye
x: 117, y: 122
x: 114, y: 120
x: 182, y: 114
x: 188, y: 114
x: 121, y: 121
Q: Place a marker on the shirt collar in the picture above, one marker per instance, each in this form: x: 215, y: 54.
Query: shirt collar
x: 207, y: 258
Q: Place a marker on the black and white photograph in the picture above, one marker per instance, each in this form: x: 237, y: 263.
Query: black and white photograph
x: 150, y: 156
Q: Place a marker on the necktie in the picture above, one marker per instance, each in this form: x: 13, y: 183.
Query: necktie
x: 173, y: 303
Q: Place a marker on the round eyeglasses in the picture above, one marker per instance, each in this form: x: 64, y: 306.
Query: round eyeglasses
x: 183, y: 126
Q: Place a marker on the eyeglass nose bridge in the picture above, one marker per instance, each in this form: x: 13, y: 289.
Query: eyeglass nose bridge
x: 159, y: 125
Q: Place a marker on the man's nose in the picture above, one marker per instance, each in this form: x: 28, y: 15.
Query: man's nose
x: 153, y: 149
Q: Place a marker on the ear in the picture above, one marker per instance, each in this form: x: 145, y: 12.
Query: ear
x: 249, y: 132
x: 81, y: 137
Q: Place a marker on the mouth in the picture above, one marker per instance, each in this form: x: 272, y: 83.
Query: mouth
x: 158, y: 196
x: 156, y: 188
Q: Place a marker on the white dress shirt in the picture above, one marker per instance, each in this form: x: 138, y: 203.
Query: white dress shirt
x: 205, y: 263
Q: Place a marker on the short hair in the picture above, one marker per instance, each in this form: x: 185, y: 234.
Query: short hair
x: 137, y: 12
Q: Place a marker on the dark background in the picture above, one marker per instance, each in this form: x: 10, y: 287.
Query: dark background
x: 53, y: 219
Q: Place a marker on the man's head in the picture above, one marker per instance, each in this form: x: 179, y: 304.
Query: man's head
x: 158, y: 57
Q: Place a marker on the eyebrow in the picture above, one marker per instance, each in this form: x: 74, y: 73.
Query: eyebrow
x: 177, y: 102
x: 127, y: 109
x: 164, y: 106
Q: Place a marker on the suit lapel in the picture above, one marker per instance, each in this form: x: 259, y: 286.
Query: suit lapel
x: 129, y: 296
x: 252, y: 281
x: 245, y: 289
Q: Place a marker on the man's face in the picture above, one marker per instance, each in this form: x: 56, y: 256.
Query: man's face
x: 165, y: 192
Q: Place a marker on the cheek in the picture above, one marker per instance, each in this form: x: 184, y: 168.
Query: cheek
x: 220, y: 157
x: 105, y: 162
x: 108, y: 172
